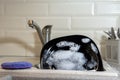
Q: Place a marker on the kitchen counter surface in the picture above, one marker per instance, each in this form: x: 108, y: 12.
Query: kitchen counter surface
x: 60, y: 73
x: 115, y: 67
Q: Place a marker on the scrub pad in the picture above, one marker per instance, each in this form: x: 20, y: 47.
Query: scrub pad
x: 16, y: 65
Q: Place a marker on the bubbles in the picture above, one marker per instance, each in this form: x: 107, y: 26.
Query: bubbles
x: 73, y: 46
x: 66, y: 65
x: 85, y: 40
x: 94, y: 48
x: 92, y: 63
x: 67, y: 60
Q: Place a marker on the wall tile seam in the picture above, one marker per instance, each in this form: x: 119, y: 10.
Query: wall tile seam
x: 26, y: 16
x: 42, y: 1
x: 37, y: 2
x: 93, y: 9
x: 86, y: 29
x: 60, y: 1
x: 107, y: 1
x: 83, y: 30
x: 67, y: 18
x: 12, y: 1
x: 11, y: 29
x: 48, y: 17
x: 57, y: 1
x: 92, y: 29
x: 69, y: 15
x: 48, y: 14
x: 106, y: 14
x: 12, y: 17
x: 22, y: 41
x: 15, y: 29
x: 49, y: 2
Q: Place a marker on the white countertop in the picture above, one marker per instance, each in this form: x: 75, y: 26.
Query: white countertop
x: 109, y: 74
x: 116, y: 67
x: 60, y: 74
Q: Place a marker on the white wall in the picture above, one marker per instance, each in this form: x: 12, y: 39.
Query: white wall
x: 85, y: 17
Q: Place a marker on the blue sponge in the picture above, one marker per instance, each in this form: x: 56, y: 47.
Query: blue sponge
x: 16, y: 65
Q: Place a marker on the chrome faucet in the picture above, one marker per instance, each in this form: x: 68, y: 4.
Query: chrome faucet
x: 44, y: 34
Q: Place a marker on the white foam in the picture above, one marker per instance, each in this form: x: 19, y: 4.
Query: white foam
x: 85, y: 40
x: 67, y: 60
x: 94, y: 48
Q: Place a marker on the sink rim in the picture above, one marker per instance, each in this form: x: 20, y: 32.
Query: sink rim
x: 71, y: 74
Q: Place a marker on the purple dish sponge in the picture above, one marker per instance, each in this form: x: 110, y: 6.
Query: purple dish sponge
x: 16, y: 65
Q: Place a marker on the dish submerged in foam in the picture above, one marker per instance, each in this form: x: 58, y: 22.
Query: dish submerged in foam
x: 75, y: 52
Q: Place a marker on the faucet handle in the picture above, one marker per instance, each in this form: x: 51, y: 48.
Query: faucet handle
x: 46, y: 31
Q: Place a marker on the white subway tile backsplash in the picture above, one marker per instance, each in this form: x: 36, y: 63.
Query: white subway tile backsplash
x: 68, y: 17
x: 105, y: 0
x: 1, y: 9
x: 93, y: 23
x: 2, y: 34
x: 100, y: 37
x: 13, y: 1
x: 58, y: 23
x: 107, y: 8
x: 21, y: 42
x: 33, y: 50
x: 26, y: 9
x: 12, y: 23
x: 88, y: 33
x: 24, y: 37
x: 57, y: 1
x: 8, y: 48
x: 70, y: 9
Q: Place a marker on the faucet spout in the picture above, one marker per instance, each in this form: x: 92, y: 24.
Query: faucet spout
x: 44, y: 34
x: 32, y: 24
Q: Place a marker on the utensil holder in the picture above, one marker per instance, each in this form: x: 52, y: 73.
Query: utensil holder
x: 113, y: 51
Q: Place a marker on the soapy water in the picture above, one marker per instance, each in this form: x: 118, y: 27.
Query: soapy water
x: 70, y: 59
x: 73, y: 46
x: 74, y: 52
x: 94, y: 48
x: 85, y: 40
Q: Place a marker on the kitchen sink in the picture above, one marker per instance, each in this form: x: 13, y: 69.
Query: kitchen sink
x: 43, y: 74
